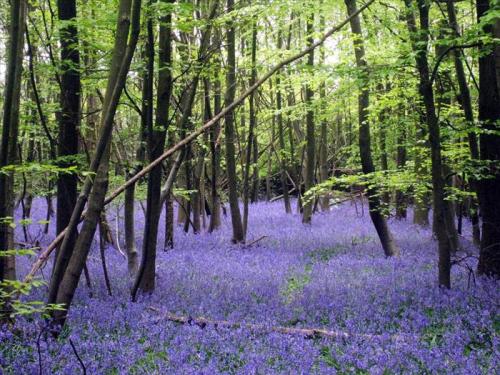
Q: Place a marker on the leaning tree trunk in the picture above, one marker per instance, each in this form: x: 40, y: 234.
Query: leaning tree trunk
x: 8, y: 146
x: 489, y: 188
x: 379, y: 221
x: 69, y: 119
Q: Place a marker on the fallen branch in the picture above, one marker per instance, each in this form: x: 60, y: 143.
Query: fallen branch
x: 281, y: 196
x: 192, y: 136
x: 306, y: 332
x: 255, y: 241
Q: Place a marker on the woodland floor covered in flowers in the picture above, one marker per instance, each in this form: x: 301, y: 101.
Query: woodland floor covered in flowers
x: 330, y: 275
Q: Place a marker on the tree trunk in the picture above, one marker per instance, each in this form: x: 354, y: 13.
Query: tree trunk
x: 128, y: 22
x: 419, y: 45
x: 69, y: 119
x: 251, y: 128
x: 146, y: 276
x: 310, y: 130
x: 421, y: 205
x: 401, y: 202
x: 238, y: 231
x: 379, y: 221
x: 489, y: 188
x: 156, y: 133
x: 8, y: 147
x: 215, y: 220
x: 465, y: 102
x: 324, y: 200
x: 281, y: 137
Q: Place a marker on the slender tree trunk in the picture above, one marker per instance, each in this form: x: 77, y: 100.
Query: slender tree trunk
x: 421, y: 206
x: 489, y: 188
x: 401, y: 202
x: 281, y: 136
x: 254, y: 194
x: 378, y: 219
x: 384, y: 162
x: 465, y: 102
x: 215, y: 220
x: 324, y: 200
x: 251, y: 129
x: 310, y: 129
x: 129, y: 219
x: 238, y: 231
x: 419, y: 45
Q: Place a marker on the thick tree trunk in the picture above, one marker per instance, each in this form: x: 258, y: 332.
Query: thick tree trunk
x: 156, y: 134
x: 238, y: 231
x: 69, y: 119
x: 128, y: 22
x: 489, y: 188
x: 8, y: 146
x: 378, y: 219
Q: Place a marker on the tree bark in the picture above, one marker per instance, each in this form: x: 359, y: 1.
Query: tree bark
x: 215, y: 220
x: 8, y: 146
x: 401, y: 202
x: 128, y: 23
x: 419, y: 44
x: 466, y: 103
x: 281, y: 138
x: 310, y: 129
x: 251, y: 129
x: 378, y: 219
x: 237, y: 224
x: 69, y: 120
x: 156, y: 133
x: 489, y: 119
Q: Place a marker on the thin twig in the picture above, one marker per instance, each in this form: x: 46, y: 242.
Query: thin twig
x: 255, y: 241
x: 84, y: 369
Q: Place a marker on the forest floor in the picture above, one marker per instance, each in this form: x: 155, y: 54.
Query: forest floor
x: 331, y: 275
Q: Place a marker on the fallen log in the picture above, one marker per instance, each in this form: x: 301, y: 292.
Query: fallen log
x: 309, y: 333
